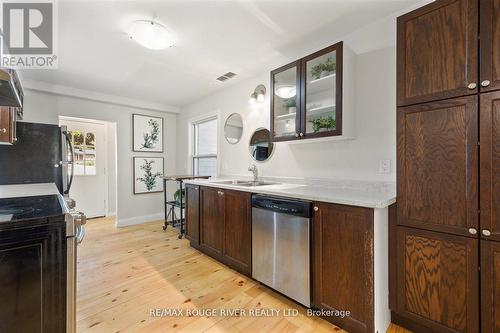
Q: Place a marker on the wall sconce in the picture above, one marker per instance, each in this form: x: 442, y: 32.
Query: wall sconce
x: 258, y: 95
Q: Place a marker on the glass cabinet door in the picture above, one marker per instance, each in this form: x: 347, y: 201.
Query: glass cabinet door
x: 285, y: 102
x: 322, y: 93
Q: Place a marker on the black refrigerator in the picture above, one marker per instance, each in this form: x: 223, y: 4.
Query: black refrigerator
x: 41, y: 154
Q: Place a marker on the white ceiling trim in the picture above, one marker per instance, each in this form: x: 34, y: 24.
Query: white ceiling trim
x: 95, y: 96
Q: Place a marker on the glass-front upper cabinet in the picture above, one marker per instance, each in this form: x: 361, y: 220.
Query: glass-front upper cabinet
x: 322, y: 93
x: 285, y: 97
x: 306, y: 99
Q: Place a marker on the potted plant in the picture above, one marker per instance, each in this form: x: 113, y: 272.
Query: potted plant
x: 327, y: 123
x: 291, y: 104
x: 177, y: 196
x: 323, y: 69
x: 328, y: 67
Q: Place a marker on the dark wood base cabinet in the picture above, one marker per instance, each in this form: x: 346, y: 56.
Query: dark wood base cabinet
x: 348, y: 244
x: 225, y: 226
x: 343, y: 264
x: 437, y: 280
x: 490, y: 287
x: 33, y: 278
x: 193, y: 214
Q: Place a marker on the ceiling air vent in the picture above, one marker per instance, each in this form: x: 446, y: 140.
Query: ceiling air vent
x: 226, y: 76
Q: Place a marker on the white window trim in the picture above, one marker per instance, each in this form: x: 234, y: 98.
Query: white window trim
x: 200, y: 119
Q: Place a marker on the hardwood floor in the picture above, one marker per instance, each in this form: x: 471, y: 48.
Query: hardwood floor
x: 125, y: 273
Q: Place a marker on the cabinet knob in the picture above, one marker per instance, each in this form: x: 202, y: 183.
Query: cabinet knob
x: 316, y: 208
x: 3, y: 130
x: 301, y: 134
x: 485, y: 83
x: 472, y: 86
x: 296, y: 135
x: 472, y: 231
x: 486, y: 232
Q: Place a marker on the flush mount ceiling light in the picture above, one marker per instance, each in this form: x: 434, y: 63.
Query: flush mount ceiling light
x: 258, y: 95
x: 286, y: 91
x: 151, y: 35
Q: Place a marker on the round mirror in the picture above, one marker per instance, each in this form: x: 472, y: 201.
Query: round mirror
x: 261, y: 147
x: 233, y: 129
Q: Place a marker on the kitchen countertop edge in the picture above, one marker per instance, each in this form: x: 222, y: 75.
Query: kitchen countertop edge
x: 382, y: 203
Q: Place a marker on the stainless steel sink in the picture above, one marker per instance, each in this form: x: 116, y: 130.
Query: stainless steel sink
x: 257, y: 183
x: 231, y: 182
x: 245, y: 183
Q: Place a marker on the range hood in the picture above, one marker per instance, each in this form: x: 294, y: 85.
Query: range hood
x: 10, y: 89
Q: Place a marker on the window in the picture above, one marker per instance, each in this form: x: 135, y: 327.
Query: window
x: 205, y: 148
x: 84, y: 153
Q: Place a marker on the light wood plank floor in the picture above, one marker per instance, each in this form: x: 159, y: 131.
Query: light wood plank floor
x: 124, y: 273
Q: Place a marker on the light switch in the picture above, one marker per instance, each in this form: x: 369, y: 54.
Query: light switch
x: 384, y: 166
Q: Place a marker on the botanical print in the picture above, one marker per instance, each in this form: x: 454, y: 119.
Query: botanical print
x: 148, y: 173
x: 148, y: 133
x: 151, y: 138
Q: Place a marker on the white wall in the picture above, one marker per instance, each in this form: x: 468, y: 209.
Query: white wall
x: 46, y: 108
x: 374, y: 106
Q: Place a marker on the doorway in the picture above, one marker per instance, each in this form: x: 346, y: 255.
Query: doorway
x: 92, y: 159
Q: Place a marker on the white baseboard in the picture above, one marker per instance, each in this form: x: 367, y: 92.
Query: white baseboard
x: 110, y: 214
x: 139, y: 219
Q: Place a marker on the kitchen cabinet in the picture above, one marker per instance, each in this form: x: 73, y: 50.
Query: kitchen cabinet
x: 437, y: 281
x: 489, y: 162
x: 437, y: 156
x: 490, y: 44
x: 343, y: 264
x: 307, y: 96
x: 437, y: 52
x: 321, y: 93
x: 237, y: 249
x: 33, y: 277
x: 448, y: 168
x: 285, y: 97
x: 7, y: 125
x: 193, y: 214
x: 490, y: 286
x: 211, y: 221
x: 226, y: 227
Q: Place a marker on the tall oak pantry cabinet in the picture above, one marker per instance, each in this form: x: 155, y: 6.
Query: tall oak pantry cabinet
x: 446, y: 241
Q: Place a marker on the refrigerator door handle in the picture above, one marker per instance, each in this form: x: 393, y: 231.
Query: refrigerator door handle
x: 68, y: 141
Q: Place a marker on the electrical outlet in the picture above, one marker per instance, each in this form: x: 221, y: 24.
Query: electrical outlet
x: 384, y: 166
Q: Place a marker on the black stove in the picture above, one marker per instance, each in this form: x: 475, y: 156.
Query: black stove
x: 14, y: 209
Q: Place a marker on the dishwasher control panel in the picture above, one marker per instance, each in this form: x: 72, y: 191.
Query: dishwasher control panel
x: 282, y: 205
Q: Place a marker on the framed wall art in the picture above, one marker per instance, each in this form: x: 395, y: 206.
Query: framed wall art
x: 148, y: 175
x: 147, y: 133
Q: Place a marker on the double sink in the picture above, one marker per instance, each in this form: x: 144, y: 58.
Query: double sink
x: 245, y: 183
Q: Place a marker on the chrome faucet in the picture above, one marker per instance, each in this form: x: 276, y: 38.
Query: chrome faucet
x: 255, y: 172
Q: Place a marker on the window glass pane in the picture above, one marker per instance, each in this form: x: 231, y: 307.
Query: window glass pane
x: 90, y: 166
x: 206, y: 166
x: 90, y: 139
x: 78, y: 138
x: 321, y: 75
x: 78, y: 163
x: 206, y: 138
x: 285, y: 102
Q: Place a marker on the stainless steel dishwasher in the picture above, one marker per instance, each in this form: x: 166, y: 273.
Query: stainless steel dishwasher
x: 280, y: 245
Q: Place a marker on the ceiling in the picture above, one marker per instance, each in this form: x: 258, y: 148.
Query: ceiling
x: 243, y: 36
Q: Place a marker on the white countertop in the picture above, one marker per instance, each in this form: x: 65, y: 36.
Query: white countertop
x: 353, y: 193
x: 27, y: 190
